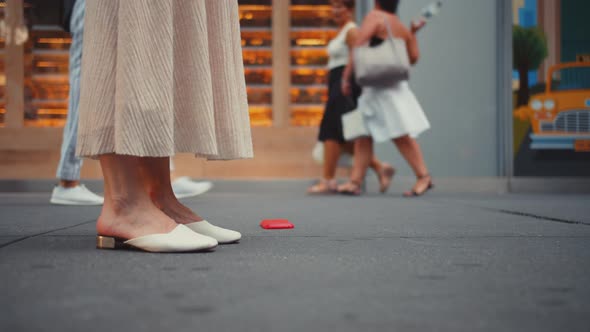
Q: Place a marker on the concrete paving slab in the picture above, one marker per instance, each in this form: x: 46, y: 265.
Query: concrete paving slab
x: 572, y: 208
x: 4, y: 240
x: 289, y: 284
x: 374, y: 263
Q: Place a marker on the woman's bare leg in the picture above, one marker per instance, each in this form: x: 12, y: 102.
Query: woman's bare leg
x: 375, y: 164
x: 158, y: 184
x: 128, y: 210
x: 363, y: 153
x: 331, y: 157
x: 410, y: 150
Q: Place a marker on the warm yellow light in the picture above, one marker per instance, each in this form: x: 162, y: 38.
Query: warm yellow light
x: 260, y: 116
x: 52, y: 111
x: 55, y: 40
x: 41, y: 123
x: 310, y: 42
x: 311, y: 7
x: 254, y: 7
x: 304, y: 72
x: 47, y: 64
x: 256, y: 41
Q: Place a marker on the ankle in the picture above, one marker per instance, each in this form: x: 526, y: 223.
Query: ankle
x: 356, y: 182
x: 423, y: 176
x: 162, y: 198
x: 160, y: 192
x: 121, y: 206
x: 69, y: 183
x: 329, y: 178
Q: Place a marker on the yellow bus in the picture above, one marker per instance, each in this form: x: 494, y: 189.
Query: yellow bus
x: 560, y: 117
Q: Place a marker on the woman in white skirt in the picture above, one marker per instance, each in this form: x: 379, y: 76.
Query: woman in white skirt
x: 160, y: 78
x: 390, y: 113
x: 337, y: 105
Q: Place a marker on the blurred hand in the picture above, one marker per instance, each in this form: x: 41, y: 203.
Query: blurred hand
x: 417, y: 25
x: 346, y: 88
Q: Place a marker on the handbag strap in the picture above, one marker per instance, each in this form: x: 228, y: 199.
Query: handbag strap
x: 391, y: 36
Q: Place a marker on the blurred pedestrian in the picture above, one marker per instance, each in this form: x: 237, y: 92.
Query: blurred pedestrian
x: 338, y: 104
x: 390, y: 112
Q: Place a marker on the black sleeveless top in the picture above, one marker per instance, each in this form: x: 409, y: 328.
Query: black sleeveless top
x: 375, y: 41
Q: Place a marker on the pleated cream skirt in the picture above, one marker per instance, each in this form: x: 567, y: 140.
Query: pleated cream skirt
x: 163, y: 77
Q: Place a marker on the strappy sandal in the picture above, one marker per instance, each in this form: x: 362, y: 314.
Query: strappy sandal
x: 323, y: 187
x: 351, y: 188
x: 414, y: 193
x: 385, y: 176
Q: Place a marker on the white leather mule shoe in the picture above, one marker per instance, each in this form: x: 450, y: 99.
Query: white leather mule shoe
x: 180, y: 239
x: 222, y: 235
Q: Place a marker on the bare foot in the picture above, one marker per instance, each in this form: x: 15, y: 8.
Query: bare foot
x: 127, y: 221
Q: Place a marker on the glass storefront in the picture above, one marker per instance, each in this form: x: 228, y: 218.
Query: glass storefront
x: 551, y: 82
x: 311, y: 30
x: 256, y: 25
x: 2, y: 71
x: 284, y: 54
x: 45, y: 82
x: 46, y: 77
x: 46, y: 66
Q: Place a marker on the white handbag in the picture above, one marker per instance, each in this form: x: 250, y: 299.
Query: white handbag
x: 353, y: 125
x: 384, y: 64
x: 317, y: 154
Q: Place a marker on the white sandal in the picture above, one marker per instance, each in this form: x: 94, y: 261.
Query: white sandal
x: 180, y: 239
x: 222, y: 235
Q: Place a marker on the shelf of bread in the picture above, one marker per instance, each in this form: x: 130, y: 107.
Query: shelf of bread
x: 309, y: 57
x: 253, y: 58
x: 306, y: 115
x: 311, y: 30
x: 49, y: 39
x: 256, y: 33
x: 310, y: 15
x: 45, y: 113
x: 309, y: 76
x: 46, y: 77
x: 258, y: 76
x: 2, y: 80
x: 255, y: 14
x: 2, y: 91
x: 308, y: 95
x: 311, y: 39
x: 53, y: 64
x: 260, y: 115
x: 256, y: 39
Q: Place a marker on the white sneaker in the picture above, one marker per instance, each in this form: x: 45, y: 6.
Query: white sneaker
x: 184, y: 187
x: 78, y: 195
